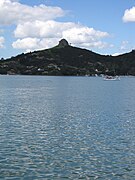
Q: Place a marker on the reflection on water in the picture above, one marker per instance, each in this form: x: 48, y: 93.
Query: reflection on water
x: 67, y: 128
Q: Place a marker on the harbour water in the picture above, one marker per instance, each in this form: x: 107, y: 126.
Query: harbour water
x: 56, y: 128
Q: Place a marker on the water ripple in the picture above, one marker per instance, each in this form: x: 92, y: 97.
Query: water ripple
x: 64, y: 128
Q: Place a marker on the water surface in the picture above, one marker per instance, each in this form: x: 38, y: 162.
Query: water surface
x: 67, y: 128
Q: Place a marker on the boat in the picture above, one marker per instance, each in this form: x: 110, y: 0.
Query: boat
x: 111, y: 78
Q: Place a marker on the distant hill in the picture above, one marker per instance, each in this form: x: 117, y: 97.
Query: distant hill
x: 64, y: 59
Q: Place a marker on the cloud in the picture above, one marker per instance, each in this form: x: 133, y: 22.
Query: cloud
x: 124, y: 45
x: 2, y: 40
x: 26, y: 43
x: 96, y: 44
x: 53, y: 31
x: 30, y: 44
x: 12, y: 12
x: 129, y: 15
x: 35, y: 27
x: 69, y: 30
x: 85, y: 37
x: 42, y: 29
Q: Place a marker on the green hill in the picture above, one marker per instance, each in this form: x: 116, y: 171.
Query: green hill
x: 68, y: 60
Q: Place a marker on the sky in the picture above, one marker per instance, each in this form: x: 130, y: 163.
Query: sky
x: 102, y: 26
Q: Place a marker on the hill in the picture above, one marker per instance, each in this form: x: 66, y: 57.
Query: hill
x: 64, y: 59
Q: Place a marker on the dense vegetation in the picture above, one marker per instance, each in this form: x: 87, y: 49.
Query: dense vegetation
x: 68, y: 60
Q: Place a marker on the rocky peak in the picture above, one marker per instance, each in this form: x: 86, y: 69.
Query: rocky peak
x: 63, y: 43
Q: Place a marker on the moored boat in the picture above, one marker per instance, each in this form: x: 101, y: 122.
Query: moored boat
x: 111, y: 78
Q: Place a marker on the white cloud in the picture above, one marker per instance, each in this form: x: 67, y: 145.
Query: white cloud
x: 12, y: 12
x: 69, y: 30
x: 52, y: 31
x: 30, y: 44
x: 2, y: 40
x: 27, y: 43
x: 42, y: 29
x: 85, y: 37
x: 129, y: 15
x: 96, y: 44
x: 36, y: 27
x: 124, y: 45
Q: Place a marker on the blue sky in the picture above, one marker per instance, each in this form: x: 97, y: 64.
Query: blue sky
x: 105, y: 27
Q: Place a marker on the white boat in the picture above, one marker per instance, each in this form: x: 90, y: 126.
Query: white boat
x: 111, y: 78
